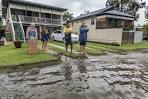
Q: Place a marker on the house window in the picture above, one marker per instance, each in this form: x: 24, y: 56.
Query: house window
x: 114, y: 23
x: 101, y: 23
x: 92, y: 21
x: 35, y: 14
x: 29, y: 13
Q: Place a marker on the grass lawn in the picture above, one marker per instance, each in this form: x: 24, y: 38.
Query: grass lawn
x: 60, y: 48
x: 9, y: 55
x: 99, y: 49
x: 76, y: 47
x: 124, y: 47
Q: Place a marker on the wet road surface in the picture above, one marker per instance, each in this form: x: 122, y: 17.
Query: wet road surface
x: 101, y: 77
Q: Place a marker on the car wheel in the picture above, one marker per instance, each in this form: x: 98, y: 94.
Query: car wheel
x: 64, y: 40
x: 53, y: 38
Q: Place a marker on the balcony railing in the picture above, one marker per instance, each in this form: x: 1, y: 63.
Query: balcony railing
x: 37, y: 20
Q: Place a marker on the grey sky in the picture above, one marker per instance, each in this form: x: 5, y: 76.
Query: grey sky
x: 79, y: 6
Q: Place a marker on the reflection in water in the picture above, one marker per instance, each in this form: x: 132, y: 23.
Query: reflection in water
x: 83, y: 76
x: 81, y: 66
x: 68, y: 69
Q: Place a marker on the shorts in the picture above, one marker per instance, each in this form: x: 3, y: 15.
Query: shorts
x: 83, y: 43
x: 68, y: 39
x: 44, y: 38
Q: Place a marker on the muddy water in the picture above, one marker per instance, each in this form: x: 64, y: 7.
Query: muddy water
x: 105, y: 77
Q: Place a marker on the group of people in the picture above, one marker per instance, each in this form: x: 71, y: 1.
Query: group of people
x: 82, y: 36
x: 32, y: 33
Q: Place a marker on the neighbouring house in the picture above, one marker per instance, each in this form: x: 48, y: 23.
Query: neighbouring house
x: 19, y: 14
x: 138, y: 35
x: 107, y: 26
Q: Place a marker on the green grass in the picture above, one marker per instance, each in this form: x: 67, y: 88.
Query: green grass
x: 76, y: 47
x: 124, y: 47
x: 99, y: 49
x: 9, y: 55
x: 61, y: 50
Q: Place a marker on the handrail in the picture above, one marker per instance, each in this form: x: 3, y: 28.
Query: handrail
x: 38, y: 20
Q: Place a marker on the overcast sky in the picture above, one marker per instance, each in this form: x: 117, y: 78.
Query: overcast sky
x: 79, y: 6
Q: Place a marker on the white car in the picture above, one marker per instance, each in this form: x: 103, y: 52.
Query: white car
x: 59, y: 36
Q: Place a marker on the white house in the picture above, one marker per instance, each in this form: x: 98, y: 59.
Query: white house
x: 20, y: 13
x: 106, y: 26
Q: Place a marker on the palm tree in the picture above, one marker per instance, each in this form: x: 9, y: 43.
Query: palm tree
x: 67, y: 16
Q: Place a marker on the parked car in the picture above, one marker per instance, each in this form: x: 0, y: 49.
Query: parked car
x: 59, y: 36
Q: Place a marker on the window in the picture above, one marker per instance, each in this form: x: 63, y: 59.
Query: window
x: 35, y: 14
x: 57, y: 32
x: 92, y: 21
x: 18, y: 12
x: 101, y: 23
x: 115, y: 23
x: 29, y: 13
x: 55, y: 16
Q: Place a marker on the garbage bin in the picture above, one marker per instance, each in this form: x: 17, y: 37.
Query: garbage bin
x: 32, y: 46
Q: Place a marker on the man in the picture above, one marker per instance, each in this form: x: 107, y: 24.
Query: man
x: 83, y: 37
x: 68, y: 40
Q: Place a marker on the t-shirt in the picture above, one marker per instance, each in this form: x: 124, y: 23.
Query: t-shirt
x: 83, y: 34
x: 32, y: 34
x: 67, y: 30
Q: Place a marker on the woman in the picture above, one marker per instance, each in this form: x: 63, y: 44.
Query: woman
x: 83, y: 37
x: 68, y: 40
x: 44, y: 38
x: 31, y: 32
x: 31, y: 35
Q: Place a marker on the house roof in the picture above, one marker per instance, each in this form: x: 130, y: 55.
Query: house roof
x: 118, y: 13
x: 94, y: 13
x: 32, y: 3
x: 108, y: 10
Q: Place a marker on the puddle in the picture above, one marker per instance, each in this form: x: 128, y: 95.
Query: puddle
x: 104, y: 77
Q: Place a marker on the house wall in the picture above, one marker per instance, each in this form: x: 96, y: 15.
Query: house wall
x: 99, y: 35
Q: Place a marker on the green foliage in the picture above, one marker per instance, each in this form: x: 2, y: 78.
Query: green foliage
x: 67, y: 16
x: 146, y: 13
x: 145, y: 29
x: 128, y: 6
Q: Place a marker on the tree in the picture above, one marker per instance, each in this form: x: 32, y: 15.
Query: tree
x: 146, y: 13
x: 145, y: 30
x: 67, y: 16
x: 128, y: 6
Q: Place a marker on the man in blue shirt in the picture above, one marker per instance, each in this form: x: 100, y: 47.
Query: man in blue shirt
x: 83, y: 37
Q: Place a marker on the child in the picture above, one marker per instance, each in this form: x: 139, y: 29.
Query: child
x: 44, y: 38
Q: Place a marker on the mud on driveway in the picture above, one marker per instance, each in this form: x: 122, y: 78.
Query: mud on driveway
x: 104, y: 77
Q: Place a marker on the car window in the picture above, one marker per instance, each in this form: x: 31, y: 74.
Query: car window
x: 57, y: 32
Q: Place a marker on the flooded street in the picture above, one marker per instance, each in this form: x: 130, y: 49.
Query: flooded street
x: 111, y: 76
